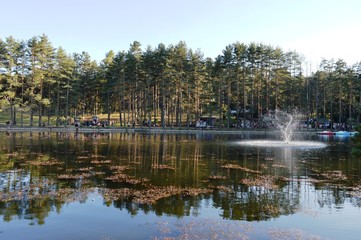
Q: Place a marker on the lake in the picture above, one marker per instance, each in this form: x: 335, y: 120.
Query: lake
x: 176, y: 186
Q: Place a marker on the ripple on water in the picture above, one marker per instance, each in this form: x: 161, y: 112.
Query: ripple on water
x: 282, y: 144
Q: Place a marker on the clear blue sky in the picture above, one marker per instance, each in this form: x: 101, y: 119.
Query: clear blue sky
x: 314, y: 28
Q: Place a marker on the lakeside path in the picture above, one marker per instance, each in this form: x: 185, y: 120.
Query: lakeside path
x: 152, y: 130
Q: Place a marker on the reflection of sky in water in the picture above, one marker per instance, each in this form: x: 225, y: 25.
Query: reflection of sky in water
x: 92, y: 219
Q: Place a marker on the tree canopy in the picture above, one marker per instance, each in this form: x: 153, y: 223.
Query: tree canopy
x: 172, y: 85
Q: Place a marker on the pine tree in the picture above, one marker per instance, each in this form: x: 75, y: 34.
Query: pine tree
x: 65, y: 81
x: 11, y: 62
x: 107, y: 82
x: 116, y: 71
x: 87, y: 86
x: 42, y: 56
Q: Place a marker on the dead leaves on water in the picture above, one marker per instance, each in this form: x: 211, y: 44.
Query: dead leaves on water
x: 119, y: 168
x: 217, y: 177
x: 330, y: 175
x: 73, y: 176
x: 152, y: 194
x: 101, y: 162
x: 141, y: 191
x: 205, y: 228
x: 50, y: 162
x: 162, y: 166
x: 124, y: 178
x: 256, y: 179
x: 238, y: 167
x: 45, y: 190
x: 265, y: 181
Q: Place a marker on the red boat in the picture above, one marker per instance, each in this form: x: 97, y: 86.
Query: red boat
x: 328, y: 133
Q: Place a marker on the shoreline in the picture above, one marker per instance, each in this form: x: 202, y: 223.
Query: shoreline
x: 146, y: 130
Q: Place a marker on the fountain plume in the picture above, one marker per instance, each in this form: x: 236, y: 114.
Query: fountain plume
x: 286, y: 122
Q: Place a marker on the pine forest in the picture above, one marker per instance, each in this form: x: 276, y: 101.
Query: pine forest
x: 171, y: 85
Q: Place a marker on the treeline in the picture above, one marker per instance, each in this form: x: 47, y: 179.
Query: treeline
x: 173, y: 84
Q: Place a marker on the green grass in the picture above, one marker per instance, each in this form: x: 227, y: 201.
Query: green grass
x: 5, y: 117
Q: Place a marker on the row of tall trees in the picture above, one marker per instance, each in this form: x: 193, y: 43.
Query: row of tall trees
x: 334, y: 91
x: 37, y: 79
x: 173, y: 84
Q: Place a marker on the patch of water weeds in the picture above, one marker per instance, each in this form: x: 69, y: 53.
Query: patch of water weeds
x: 204, y: 229
x: 150, y: 195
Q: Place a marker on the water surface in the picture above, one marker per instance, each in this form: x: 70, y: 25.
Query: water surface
x: 159, y: 186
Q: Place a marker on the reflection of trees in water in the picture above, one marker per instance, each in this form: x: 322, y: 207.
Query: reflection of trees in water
x: 38, y: 173
x: 254, y: 204
x: 175, y: 205
x: 32, y: 197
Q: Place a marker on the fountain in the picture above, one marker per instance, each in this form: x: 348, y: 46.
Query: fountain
x: 286, y: 123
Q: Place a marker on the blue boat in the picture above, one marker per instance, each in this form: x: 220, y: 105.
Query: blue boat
x: 345, y: 133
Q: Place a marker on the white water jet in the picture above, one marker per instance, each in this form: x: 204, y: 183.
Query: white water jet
x: 286, y: 123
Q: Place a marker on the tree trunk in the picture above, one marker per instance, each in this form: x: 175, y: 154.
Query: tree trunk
x: 14, y: 116
x: 40, y: 114
x: 57, y: 106
x: 108, y: 107
x: 31, y: 117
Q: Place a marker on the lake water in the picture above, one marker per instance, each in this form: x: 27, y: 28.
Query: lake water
x: 169, y: 186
